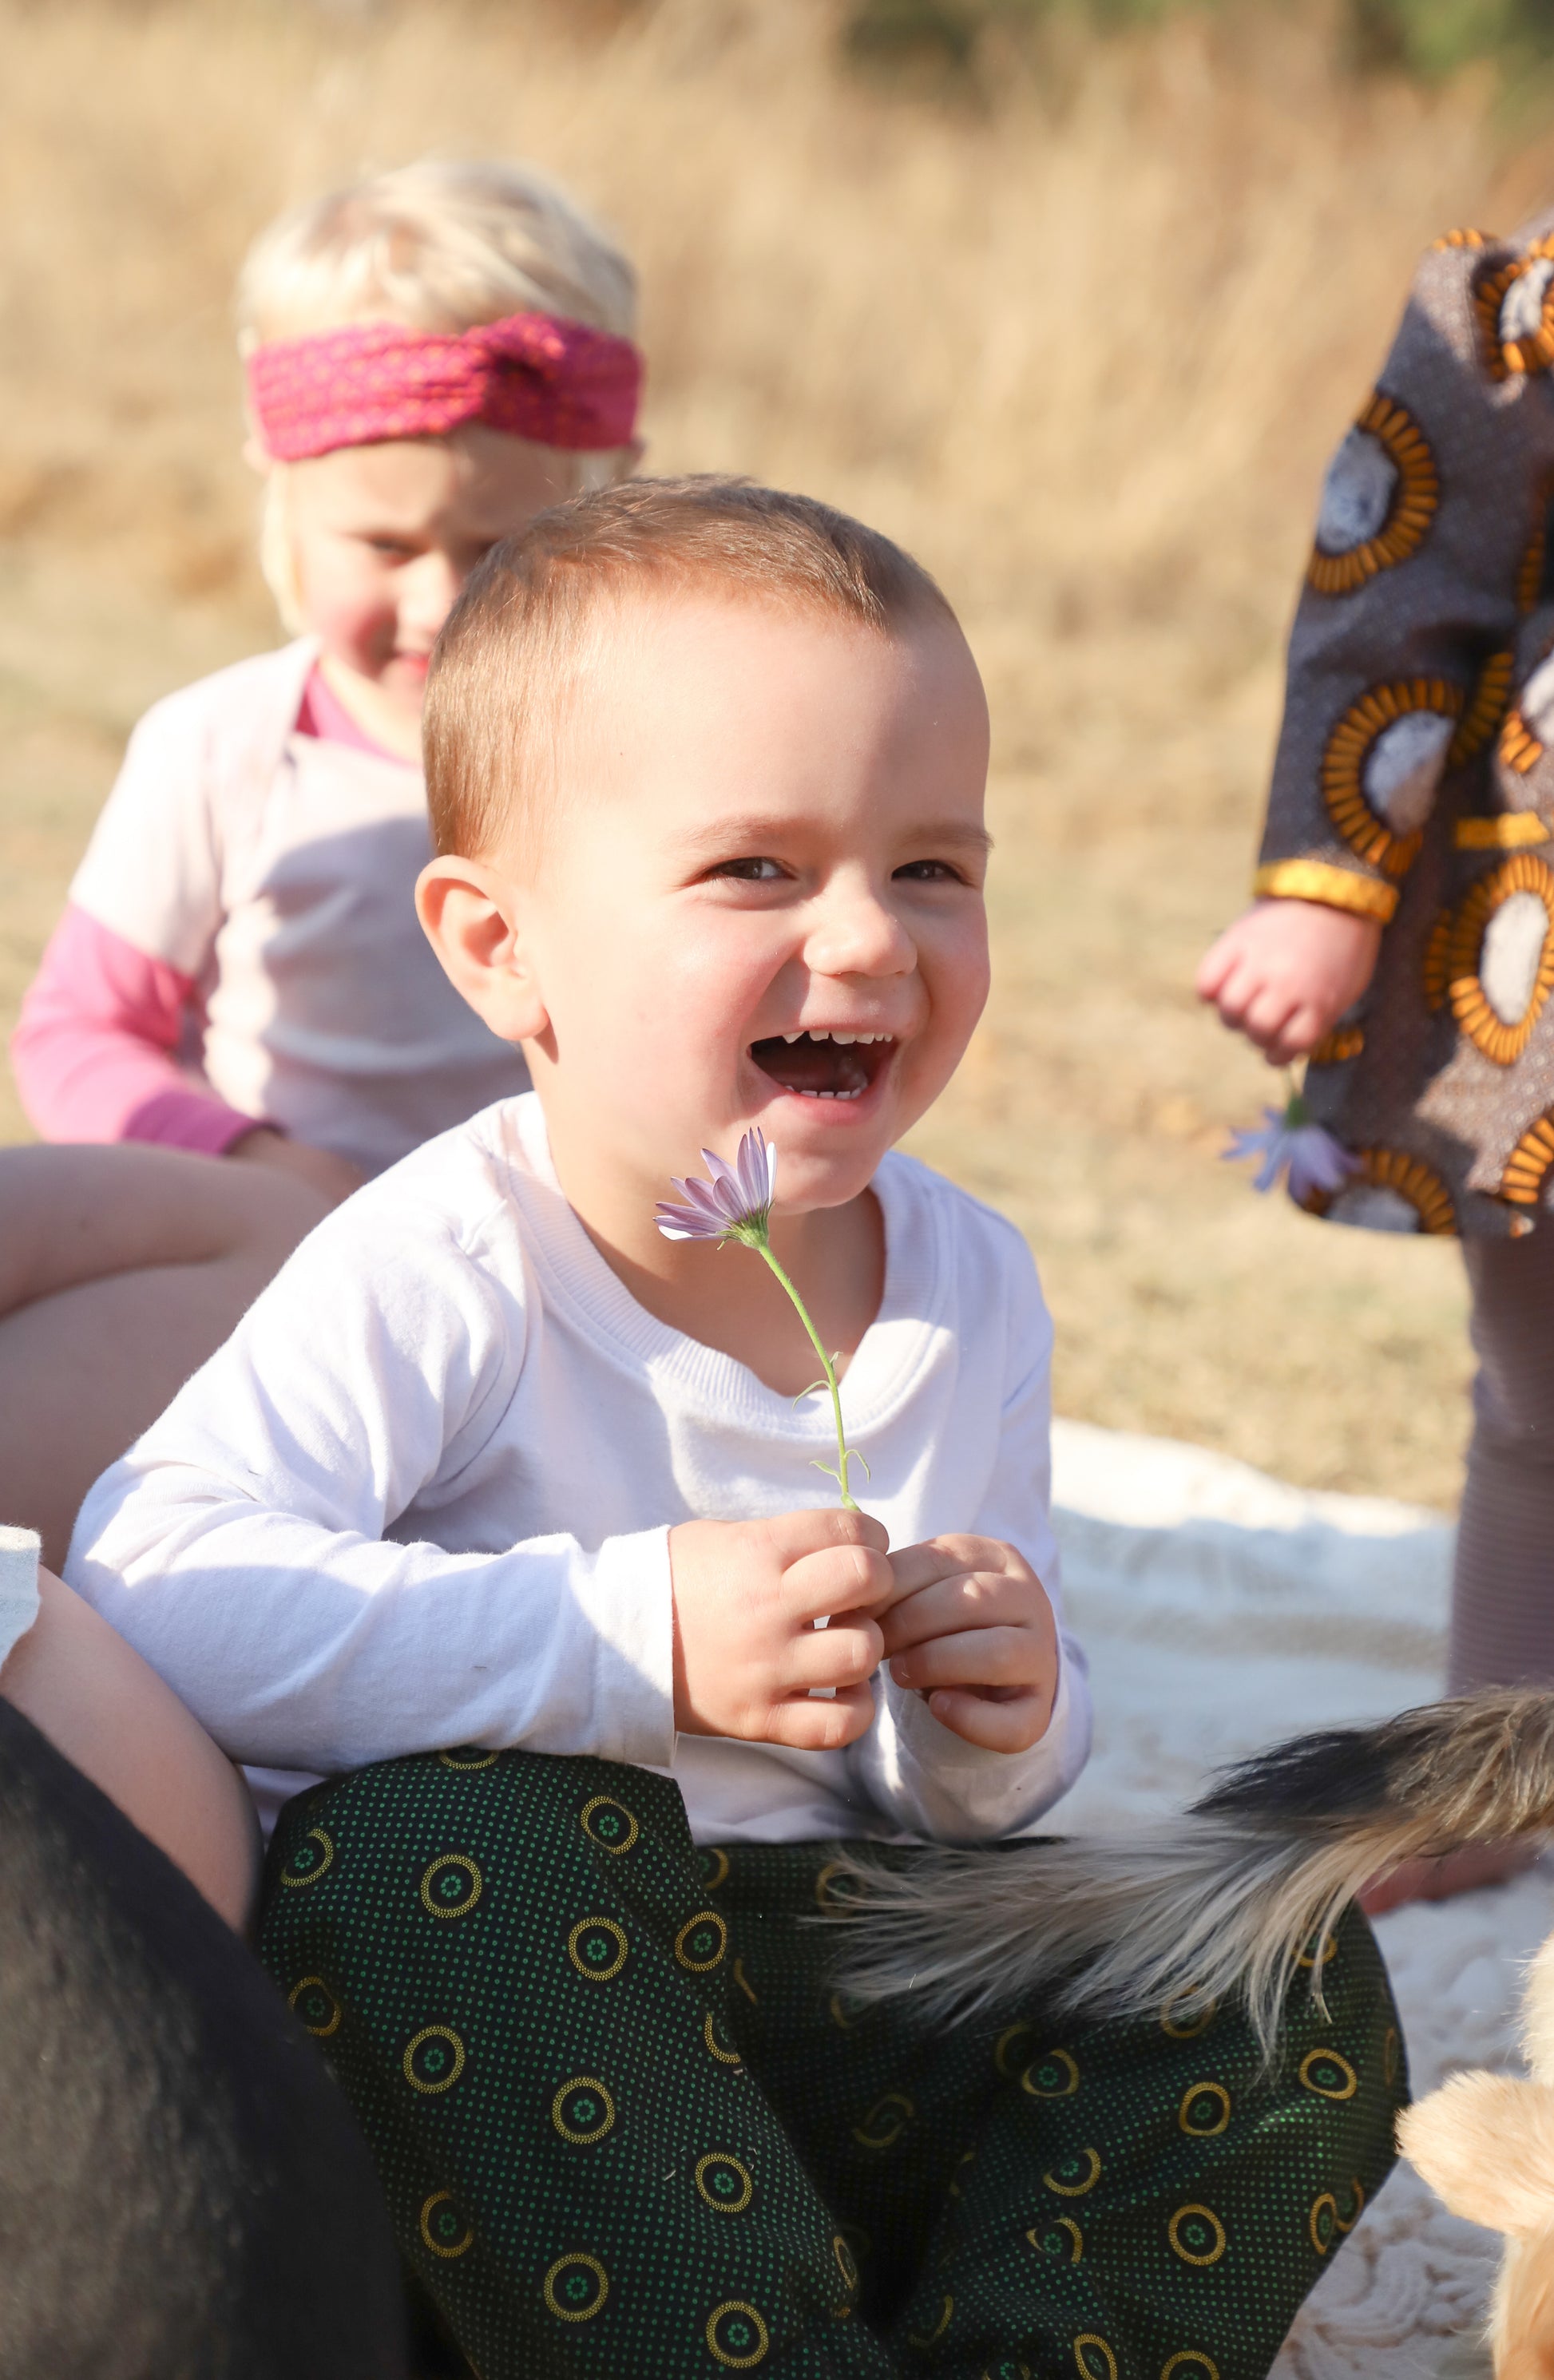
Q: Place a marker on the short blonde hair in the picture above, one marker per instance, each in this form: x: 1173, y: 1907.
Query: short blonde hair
x: 439, y: 245
x: 501, y: 669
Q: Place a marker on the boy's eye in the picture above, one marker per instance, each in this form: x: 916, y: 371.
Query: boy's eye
x: 928, y: 871
x: 392, y: 548
x: 751, y: 872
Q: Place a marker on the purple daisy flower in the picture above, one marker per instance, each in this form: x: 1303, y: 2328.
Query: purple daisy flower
x: 1288, y: 1142
x: 736, y: 1204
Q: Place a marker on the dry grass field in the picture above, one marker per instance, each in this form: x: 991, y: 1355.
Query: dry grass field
x: 1083, y: 343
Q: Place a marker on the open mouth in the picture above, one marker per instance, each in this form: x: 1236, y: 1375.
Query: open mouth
x: 824, y: 1065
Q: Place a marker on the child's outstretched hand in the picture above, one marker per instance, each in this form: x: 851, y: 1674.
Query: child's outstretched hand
x: 1285, y: 972
x: 746, y: 1651
x: 971, y: 1628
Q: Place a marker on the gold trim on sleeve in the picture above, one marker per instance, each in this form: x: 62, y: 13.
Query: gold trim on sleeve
x: 1461, y: 240
x: 1335, y: 888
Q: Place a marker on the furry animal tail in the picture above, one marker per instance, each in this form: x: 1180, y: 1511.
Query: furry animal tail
x: 1228, y: 1899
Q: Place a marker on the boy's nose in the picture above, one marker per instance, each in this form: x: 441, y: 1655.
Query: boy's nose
x: 854, y: 932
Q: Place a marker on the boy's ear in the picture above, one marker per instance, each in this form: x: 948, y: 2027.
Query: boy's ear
x: 1485, y: 2144
x: 470, y: 914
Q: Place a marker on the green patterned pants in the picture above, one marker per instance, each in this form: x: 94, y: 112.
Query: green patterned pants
x: 628, y: 2126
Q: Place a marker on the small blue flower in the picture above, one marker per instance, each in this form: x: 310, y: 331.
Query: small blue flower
x: 737, y: 1203
x: 1288, y: 1142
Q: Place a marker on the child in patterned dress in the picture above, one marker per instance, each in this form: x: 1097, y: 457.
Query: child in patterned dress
x: 499, y: 1509
x: 1402, y: 940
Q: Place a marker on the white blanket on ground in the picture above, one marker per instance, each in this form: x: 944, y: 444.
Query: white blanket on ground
x: 1223, y: 1611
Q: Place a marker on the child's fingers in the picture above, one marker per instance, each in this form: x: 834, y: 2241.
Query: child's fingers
x: 804, y: 1725
x: 1216, y: 964
x: 842, y: 1655
x: 915, y: 1567
x: 794, y: 1535
x: 1304, y: 1029
x: 971, y: 1600
x: 843, y: 1578
x: 1240, y: 1004
x: 1267, y: 1014
x: 980, y: 1656
x: 1009, y: 1726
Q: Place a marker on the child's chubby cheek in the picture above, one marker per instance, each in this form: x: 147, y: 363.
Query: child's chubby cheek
x: 355, y: 620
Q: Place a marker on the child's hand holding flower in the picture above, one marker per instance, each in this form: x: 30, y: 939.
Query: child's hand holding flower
x: 971, y: 1629
x: 748, y: 1656
x: 771, y: 1615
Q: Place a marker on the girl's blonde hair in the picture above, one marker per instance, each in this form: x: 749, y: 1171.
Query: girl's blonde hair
x: 439, y: 245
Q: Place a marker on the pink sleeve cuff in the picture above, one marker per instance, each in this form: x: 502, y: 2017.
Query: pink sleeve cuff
x: 181, y: 1117
x: 92, y: 1053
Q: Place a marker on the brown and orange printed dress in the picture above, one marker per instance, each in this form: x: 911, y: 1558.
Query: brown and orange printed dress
x: 1415, y: 778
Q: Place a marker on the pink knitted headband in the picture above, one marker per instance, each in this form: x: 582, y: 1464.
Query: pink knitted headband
x: 532, y: 375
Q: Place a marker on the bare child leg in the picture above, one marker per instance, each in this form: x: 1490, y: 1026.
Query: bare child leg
x: 121, y: 1270
x: 111, y: 1716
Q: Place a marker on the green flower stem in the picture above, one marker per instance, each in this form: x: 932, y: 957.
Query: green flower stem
x: 754, y: 1236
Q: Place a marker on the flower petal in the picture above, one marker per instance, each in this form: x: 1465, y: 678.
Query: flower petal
x: 685, y: 1223
x: 735, y: 1195
x: 756, y: 1166
x: 1317, y: 1163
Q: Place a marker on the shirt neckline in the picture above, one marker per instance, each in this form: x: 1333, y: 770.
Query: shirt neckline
x: 889, y: 1357
x: 323, y: 718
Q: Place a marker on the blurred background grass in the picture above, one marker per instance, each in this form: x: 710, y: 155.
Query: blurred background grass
x: 1074, y: 299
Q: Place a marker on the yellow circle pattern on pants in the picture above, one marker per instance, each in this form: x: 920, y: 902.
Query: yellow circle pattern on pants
x: 620, y: 2132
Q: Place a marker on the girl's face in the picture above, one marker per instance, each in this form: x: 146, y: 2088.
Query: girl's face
x: 383, y: 538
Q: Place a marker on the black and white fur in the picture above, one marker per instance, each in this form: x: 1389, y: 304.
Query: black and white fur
x: 1223, y: 1900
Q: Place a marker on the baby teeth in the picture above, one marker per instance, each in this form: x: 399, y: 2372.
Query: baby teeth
x: 826, y: 1033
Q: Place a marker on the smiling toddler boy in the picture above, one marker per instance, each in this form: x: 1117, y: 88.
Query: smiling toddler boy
x: 508, y: 1504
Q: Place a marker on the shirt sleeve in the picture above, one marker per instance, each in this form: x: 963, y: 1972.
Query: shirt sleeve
x: 93, y: 1051
x: 245, y: 1545
x: 1429, y: 555
x: 931, y: 1781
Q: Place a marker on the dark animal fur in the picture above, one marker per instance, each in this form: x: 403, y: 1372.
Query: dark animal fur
x: 184, y: 2194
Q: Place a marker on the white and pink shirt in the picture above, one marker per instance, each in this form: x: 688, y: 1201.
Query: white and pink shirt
x: 241, y: 943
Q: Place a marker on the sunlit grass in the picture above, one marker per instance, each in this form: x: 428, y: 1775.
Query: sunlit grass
x: 1083, y: 346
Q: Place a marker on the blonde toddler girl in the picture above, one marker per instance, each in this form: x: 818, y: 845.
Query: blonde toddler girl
x: 434, y: 356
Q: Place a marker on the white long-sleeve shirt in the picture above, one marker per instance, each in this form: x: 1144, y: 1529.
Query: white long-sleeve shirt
x: 422, y: 1496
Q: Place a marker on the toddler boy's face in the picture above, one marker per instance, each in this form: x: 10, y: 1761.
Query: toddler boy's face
x: 758, y: 897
